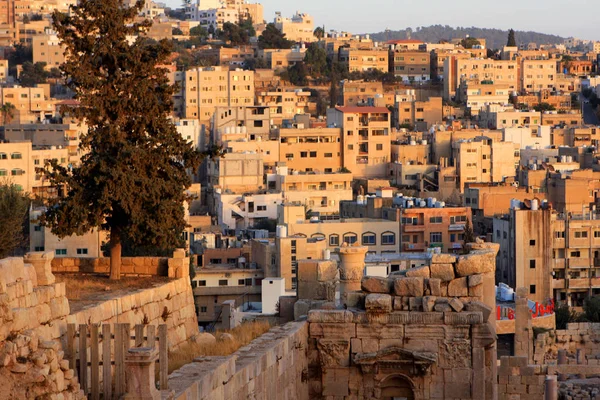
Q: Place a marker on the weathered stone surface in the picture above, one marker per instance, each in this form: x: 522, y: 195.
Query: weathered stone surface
x: 475, y: 280
x: 479, y: 262
x: 378, y: 302
x: 401, y: 303
x: 415, y: 303
x: 458, y: 288
x: 334, y: 353
x: 481, y: 307
x: 411, y: 287
x: 442, y: 307
x: 226, y: 337
x: 375, y: 284
x: 434, y: 286
x: 355, y: 300
x: 428, y: 303
x: 329, y: 316
x: 456, y: 304
x: 443, y: 259
x: 445, y: 272
x: 418, y: 272
x: 204, y: 338
x: 476, y: 291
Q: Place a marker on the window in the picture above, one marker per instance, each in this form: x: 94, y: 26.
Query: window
x: 581, y: 234
x: 201, y: 283
x: 289, y: 156
x: 215, y: 261
x: 16, y: 156
x: 303, y: 154
x: 350, y: 238
x: 532, y: 242
x: 458, y: 218
x: 17, y: 172
x: 39, y: 248
x: 531, y: 263
x: 203, y: 309
x: 2, y: 156
x: 597, y: 234
x: 61, y: 252
x: 559, y: 234
x: 313, y: 154
x: 532, y: 289
x: 37, y: 228
x: 576, y: 254
x: 223, y: 282
x: 368, y: 239
x: 379, y: 147
x: 248, y: 281
x: 435, y: 220
x: 82, y: 251
x: 241, y: 282
x: 3, y: 172
x: 435, y: 237
x: 388, y: 238
x: 328, y: 155
x: 261, y: 208
x: 232, y: 261
x: 334, y: 240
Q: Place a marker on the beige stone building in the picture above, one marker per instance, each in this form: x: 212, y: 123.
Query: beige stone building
x: 477, y: 95
x: 365, y: 138
x: 207, y: 88
x: 411, y: 66
x: 494, y: 116
x: 439, y: 57
x: 3, y: 70
x: 311, y: 150
x: 290, y: 249
x: 537, y: 75
x: 299, y: 28
x: 279, y: 59
x: 332, y: 42
x: 484, y: 160
x: 241, y: 124
x: 284, y: 104
x: 228, y: 56
x: 355, y: 93
x: 359, y: 60
x: 32, y: 105
x: 237, y: 173
x: 47, y: 49
x: 420, y: 114
x: 483, y: 70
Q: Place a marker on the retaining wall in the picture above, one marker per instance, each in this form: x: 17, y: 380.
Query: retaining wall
x: 130, y: 266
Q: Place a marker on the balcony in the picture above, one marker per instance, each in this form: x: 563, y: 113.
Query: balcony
x: 413, y: 228
x: 413, y: 247
x: 579, y: 263
x: 456, y: 227
x: 559, y: 264
x: 596, y: 283
x: 558, y: 284
x: 579, y: 283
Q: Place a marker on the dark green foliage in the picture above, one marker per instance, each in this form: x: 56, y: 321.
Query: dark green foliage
x: 132, y: 178
x: 544, y: 107
x: 469, y: 43
x: 564, y: 314
x: 176, y: 32
x: 252, y: 64
x: 199, y: 31
x: 333, y: 89
x: 19, y: 55
x: 297, y: 74
x: 319, y: 33
x: 316, y: 60
x: 14, y: 223
x: 512, y: 42
x: 7, y: 110
x: 272, y: 38
x: 237, y: 34
x: 591, y: 309
x: 495, y: 38
x: 32, y: 74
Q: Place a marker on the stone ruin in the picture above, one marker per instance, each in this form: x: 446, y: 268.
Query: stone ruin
x: 425, y: 333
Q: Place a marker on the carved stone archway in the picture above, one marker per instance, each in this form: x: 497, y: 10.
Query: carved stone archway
x: 397, y: 387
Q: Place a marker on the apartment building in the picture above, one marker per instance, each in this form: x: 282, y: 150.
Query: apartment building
x: 316, y: 150
x: 561, y: 102
x: 243, y: 211
x: 571, y: 118
x: 28, y: 31
x: 410, y: 151
x: 411, y: 66
x: 3, y: 71
x: 9, y: 33
x: 228, y: 56
x: 554, y: 255
x: 278, y: 59
x: 495, y: 116
x: 66, y: 135
x: 484, y: 160
x: 577, y: 67
x: 290, y: 249
x: 31, y: 104
x: 215, y: 18
x: 443, y: 141
x: 333, y: 41
x: 359, y: 93
x: 438, y: 59
x: 361, y: 60
x: 405, y: 44
x: 483, y: 70
x: 241, y: 124
x: 47, y: 49
x: 365, y: 138
x: 537, y: 136
x: 422, y: 115
x: 537, y: 75
x: 380, y: 235
x: 477, y: 95
x: 299, y: 28
x: 207, y: 88
x: 284, y: 104
x: 237, y: 173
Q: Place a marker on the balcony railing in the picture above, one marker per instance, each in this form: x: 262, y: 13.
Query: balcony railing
x: 413, y: 228
x: 558, y: 284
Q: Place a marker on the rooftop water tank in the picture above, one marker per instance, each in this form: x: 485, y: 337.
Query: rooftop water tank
x: 281, y: 231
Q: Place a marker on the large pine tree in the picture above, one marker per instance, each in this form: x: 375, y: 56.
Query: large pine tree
x: 132, y: 179
x: 512, y: 41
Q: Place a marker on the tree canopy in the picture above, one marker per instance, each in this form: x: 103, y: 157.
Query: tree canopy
x: 272, y: 38
x: 238, y: 34
x: 512, y: 41
x: 132, y: 177
x: 32, y: 74
x: 316, y: 60
x: 14, y: 208
x: 469, y: 42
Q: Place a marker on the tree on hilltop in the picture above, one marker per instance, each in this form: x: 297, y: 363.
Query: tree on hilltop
x: 512, y: 42
x: 272, y: 38
x: 132, y: 178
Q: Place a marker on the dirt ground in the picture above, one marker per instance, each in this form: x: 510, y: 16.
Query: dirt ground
x: 84, y: 290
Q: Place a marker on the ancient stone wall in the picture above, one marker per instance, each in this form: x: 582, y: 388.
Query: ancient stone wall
x: 274, y: 366
x: 583, y: 336
x: 130, y: 266
x: 519, y: 381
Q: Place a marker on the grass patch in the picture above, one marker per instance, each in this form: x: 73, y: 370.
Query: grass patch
x: 242, y: 335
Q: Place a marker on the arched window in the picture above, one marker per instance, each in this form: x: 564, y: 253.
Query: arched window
x: 334, y: 240
x: 350, y: 238
x: 388, y: 238
x: 318, y: 236
x: 17, y: 172
x: 300, y: 235
x: 3, y: 156
x: 16, y: 156
x: 369, y: 239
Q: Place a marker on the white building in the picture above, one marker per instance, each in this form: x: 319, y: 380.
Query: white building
x: 528, y: 136
x: 241, y: 211
x: 299, y: 28
x: 192, y: 131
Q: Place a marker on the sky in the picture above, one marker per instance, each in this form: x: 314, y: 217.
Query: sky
x: 578, y: 18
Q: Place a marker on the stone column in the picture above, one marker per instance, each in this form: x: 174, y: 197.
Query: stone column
x: 352, y: 269
x: 562, y: 360
x: 551, y: 392
x: 179, y: 265
x: 42, y: 263
x: 580, y: 361
x: 523, y: 327
x: 141, y: 384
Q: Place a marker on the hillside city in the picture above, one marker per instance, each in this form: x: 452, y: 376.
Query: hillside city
x: 413, y: 219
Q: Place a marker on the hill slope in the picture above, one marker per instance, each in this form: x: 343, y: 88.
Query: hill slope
x: 496, y: 38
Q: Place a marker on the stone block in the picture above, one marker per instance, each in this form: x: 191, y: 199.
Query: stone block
x: 412, y: 287
x: 332, y: 330
x: 434, y: 286
x: 374, y: 284
x: 335, y: 382
x: 370, y: 345
x: 476, y: 291
x: 481, y: 307
x: 401, y: 303
x: 443, y: 289
x: 428, y: 303
x: 327, y: 271
x: 378, y: 303
x: 415, y: 303
x: 334, y: 353
x: 456, y: 304
x: 422, y: 272
x: 443, y: 259
x: 42, y: 263
x: 475, y: 280
x: 442, y: 307
x: 355, y: 300
x: 444, y: 272
x: 330, y: 316
x: 477, y: 262
x: 458, y: 288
